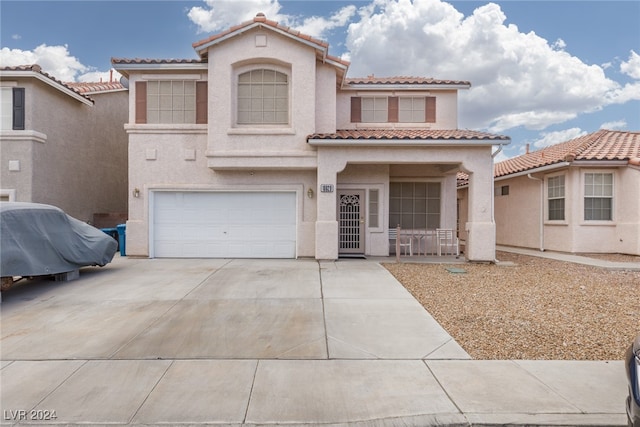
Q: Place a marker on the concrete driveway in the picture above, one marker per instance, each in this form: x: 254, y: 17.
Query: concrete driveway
x: 252, y: 342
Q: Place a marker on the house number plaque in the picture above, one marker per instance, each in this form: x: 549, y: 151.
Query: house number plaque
x: 326, y: 188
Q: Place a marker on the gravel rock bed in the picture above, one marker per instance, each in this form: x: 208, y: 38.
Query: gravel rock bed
x: 537, y: 309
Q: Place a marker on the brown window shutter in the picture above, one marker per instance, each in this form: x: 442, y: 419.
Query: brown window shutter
x: 18, y: 108
x: 430, y: 109
x: 201, y: 102
x: 356, y: 109
x: 141, y: 102
x: 392, y: 105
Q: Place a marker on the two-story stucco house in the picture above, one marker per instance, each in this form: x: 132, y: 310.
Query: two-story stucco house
x: 579, y: 196
x: 63, y: 144
x: 262, y: 147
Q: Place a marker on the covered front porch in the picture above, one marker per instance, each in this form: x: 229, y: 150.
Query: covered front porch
x: 366, y: 191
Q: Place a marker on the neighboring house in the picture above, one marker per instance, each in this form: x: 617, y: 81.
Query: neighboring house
x: 579, y: 196
x: 262, y: 147
x: 63, y: 144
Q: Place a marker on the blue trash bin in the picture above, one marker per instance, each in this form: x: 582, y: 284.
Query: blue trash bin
x: 113, y: 232
x: 122, y: 238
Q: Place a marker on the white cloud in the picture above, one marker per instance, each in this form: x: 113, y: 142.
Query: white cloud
x: 218, y: 15
x: 518, y: 79
x: 54, y: 60
x: 318, y: 26
x: 632, y: 66
x: 552, y: 138
x: 618, y: 124
x: 16, y: 36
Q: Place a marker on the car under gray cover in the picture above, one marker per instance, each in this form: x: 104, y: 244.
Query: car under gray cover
x: 38, y: 239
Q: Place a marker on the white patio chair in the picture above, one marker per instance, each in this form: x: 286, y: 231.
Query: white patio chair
x: 447, y: 240
x: 405, y: 241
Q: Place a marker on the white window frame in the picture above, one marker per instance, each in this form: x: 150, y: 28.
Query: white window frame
x: 611, y: 197
x: 550, y: 197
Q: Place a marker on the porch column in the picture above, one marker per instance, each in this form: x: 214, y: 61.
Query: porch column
x: 481, y: 228
x: 326, y: 221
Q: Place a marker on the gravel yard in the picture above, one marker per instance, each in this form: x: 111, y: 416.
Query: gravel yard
x: 537, y: 309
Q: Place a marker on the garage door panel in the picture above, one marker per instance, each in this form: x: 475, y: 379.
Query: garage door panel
x: 224, y: 225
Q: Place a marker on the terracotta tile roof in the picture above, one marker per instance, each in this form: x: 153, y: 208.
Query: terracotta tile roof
x: 96, y: 87
x: 151, y: 61
x: 37, y: 69
x: 408, y: 134
x: 403, y: 80
x: 601, y: 145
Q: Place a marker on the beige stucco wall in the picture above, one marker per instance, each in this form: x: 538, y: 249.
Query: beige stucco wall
x: 227, y: 61
x: 71, y: 155
x: 161, y: 161
x: 518, y: 216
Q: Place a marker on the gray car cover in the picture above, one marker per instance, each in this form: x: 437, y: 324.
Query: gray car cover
x: 37, y: 239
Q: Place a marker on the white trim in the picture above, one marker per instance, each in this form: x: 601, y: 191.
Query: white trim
x: 165, y: 77
x: 165, y: 128
x: 534, y: 170
x: 23, y: 135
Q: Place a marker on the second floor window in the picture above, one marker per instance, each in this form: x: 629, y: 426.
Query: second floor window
x: 12, y: 108
x: 598, y: 196
x: 263, y: 98
x: 171, y: 102
x: 393, y: 109
x: 555, y: 194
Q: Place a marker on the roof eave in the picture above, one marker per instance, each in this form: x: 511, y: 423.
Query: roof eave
x: 62, y: 88
x: 124, y: 69
x: 401, y: 86
x: 402, y: 142
x: 546, y: 168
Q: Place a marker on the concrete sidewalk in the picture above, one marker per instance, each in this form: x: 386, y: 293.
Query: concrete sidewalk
x: 577, y: 259
x: 267, y: 342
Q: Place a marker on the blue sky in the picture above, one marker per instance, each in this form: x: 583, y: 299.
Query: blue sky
x: 542, y: 72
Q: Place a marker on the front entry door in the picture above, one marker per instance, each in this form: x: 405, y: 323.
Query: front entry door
x: 351, y: 221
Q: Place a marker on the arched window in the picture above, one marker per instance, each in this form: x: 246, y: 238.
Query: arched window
x: 263, y: 97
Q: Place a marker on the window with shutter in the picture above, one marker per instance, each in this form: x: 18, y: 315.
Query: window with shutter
x: 141, y: 102
x: 18, y: 108
x: 430, y: 109
x: 356, y: 109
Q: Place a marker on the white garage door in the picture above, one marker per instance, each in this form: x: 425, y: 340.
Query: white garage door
x: 224, y: 225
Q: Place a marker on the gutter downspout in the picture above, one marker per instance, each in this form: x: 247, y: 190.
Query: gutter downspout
x: 541, y: 209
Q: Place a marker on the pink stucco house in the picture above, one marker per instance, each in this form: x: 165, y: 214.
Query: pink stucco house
x: 262, y: 147
x: 579, y: 196
x: 63, y: 143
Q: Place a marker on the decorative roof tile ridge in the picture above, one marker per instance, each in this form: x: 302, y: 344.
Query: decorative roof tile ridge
x: 95, y: 87
x: 150, y: 61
